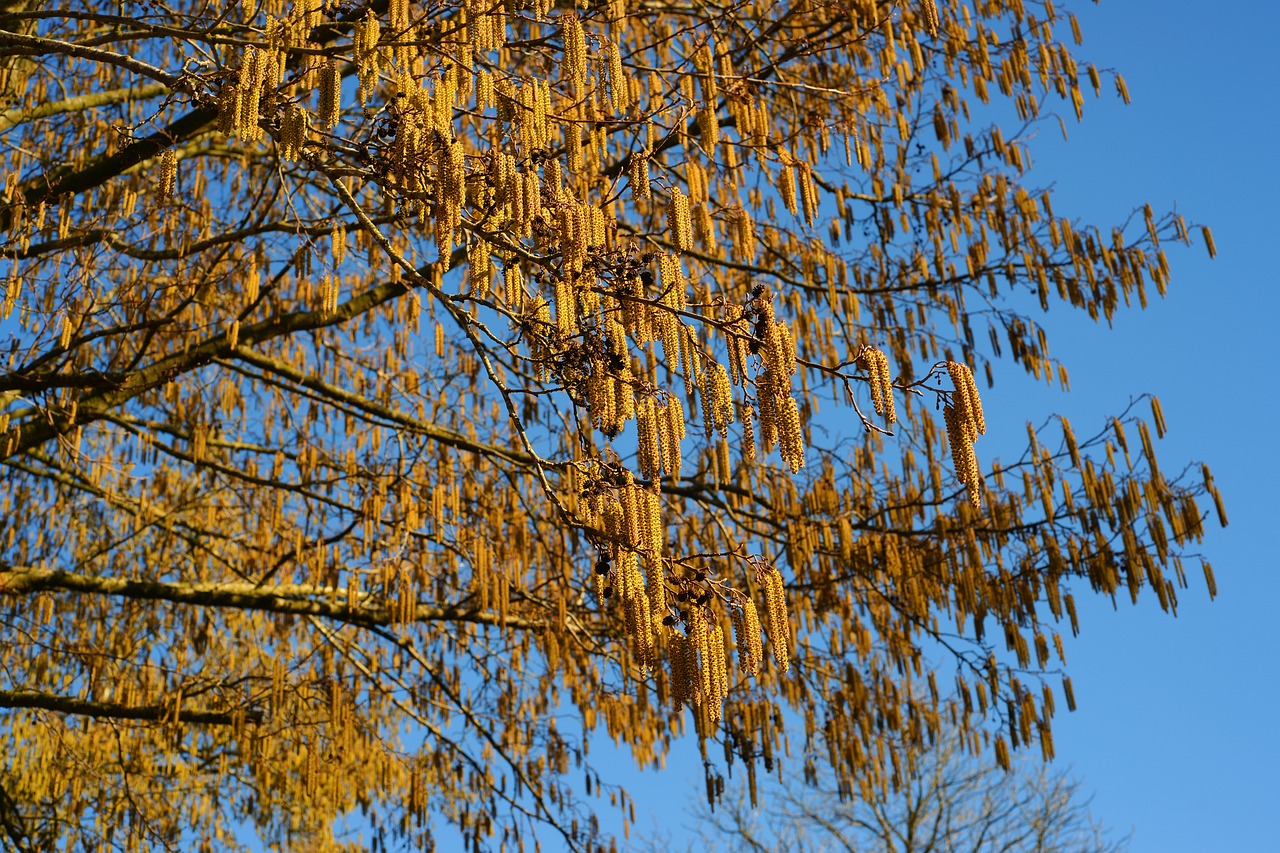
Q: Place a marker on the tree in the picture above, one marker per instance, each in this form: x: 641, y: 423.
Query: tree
x: 398, y: 392
x: 948, y: 801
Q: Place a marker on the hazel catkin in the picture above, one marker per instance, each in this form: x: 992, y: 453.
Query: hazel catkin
x: 679, y: 223
x: 746, y: 630
x: 775, y: 601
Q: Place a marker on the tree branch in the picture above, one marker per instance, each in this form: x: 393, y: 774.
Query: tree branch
x: 295, y: 599
x: 117, y: 711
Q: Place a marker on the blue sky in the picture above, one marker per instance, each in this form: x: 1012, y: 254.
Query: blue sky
x: 1176, y: 733
x: 1176, y: 729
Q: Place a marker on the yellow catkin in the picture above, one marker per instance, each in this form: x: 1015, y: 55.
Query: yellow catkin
x: 929, y: 12
x: 1002, y: 753
x: 962, y: 456
x: 673, y: 414
x: 638, y: 174
x: 655, y: 539
x: 513, y: 285
x: 575, y: 53
x: 704, y: 62
x: 780, y: 351
x: 724, y: 464
x: 701, y: 638
x: 338, y: 244
x: 717, y: 400
x: 790, y: 434
x: 775, y: 602
x: 367, y: 33
x: 331, y: 292
x: 682, y: 657
x: 330, y: 94
x: 886, y: 382
x: 168, y: 173
x: 619, y: 85
x: 876, y: 363
x: 1157, y: 415
x: 1208, y: 237
x: 648, y: 445
x: 967, y: 403
x: 746, y: 629
x: 747, y: 450
x: 709, y: 130
x: 786, y: 186
x: 679, y: 223
x: 293, y: 131
x: 253, y: 280
x: 249, y: 83
x: 719, y: 671
x: 808, y: 193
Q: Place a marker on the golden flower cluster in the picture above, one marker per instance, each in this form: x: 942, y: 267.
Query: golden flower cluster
x: 699, y: 669
x: 580, y: 228
x: 479, y: 269
x: 507, y: 185
x: 610, y: 396
x: 742, y: 231
x: 785, y: 183
x: 534, y: 100
x: 294, y: 124
x: 1208, y: 241
x: 367, y: 33
x: 240, y: 102
x: 748, y: 449
x: 619, y: 84
x: 746, y: 630
x: 808, y: 192
x: 450, y: 194
x: 929, y: 11
x: 488, y: 26
x: 674, y: 287
x: 715, y: 671
x: 168, y: 173
x: 876, y: 363
x: 965, y: 423
x: 779, y: 414
x: 717, y: 400
x: 679, y: 223
x: 779, y: 628
x: 330, y: 93
x: 329, y: 294
x: 648, y: 439
x: 709, y: 129
x: 513, y: 285
x: 575, y: 53
x: 638, y: 174
x: 633, y: 523
x: 682, y: 659
x: 704, y: 62
x: 338, y: 244
x: 670, y: 433
x: 698, y: 182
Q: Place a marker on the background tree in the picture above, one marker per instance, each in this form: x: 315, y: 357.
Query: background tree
x: 949, y: 801
x: 397, y: 393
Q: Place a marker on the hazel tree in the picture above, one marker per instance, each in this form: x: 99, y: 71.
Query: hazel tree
x: 399, y: 395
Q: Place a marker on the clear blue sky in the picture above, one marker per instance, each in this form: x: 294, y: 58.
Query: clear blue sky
x: 1176, y: 733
